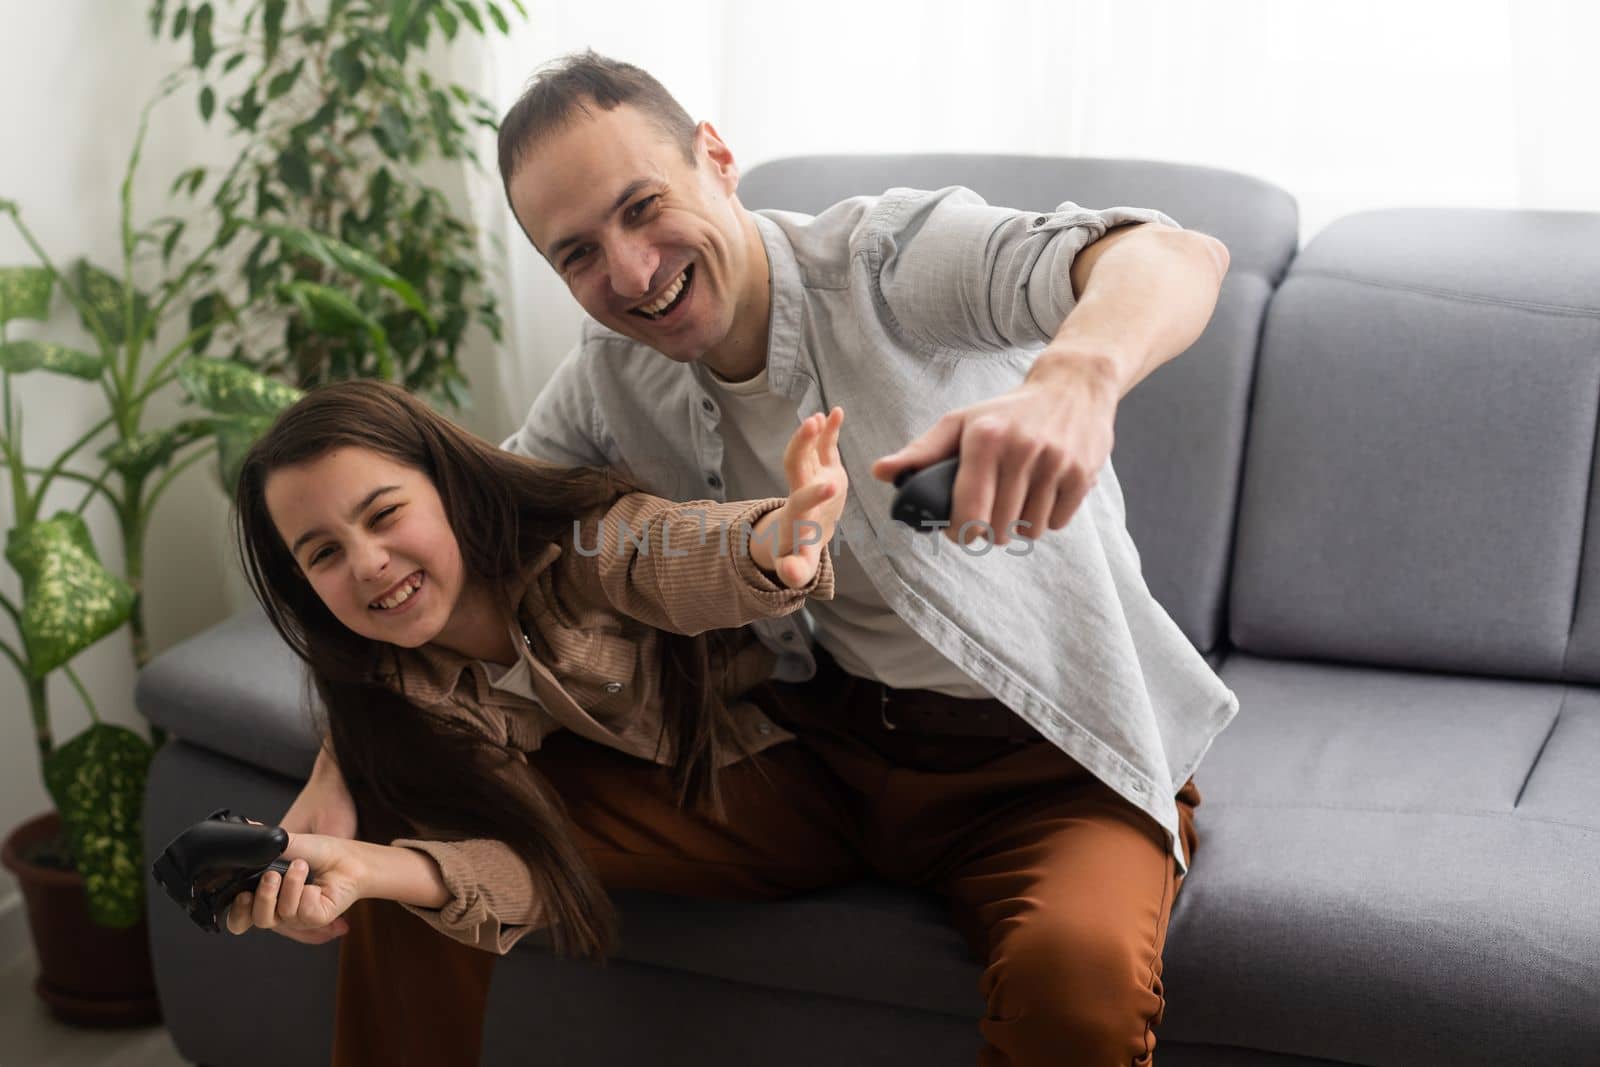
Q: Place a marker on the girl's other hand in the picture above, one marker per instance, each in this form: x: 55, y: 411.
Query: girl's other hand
x: 817, y: 489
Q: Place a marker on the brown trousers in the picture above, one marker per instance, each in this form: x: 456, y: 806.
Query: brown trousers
x: 1060, y: 887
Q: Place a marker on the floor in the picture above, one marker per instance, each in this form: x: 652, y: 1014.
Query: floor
x: 31, y: 1037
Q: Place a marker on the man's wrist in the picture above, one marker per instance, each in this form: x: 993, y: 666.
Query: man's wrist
x: 1059, y: 366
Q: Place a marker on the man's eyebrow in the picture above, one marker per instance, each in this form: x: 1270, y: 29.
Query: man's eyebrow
x: 355, y: 513
x: 627, y: 194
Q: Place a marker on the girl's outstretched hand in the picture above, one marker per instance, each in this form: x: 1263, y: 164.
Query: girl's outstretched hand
x: 817, y: 488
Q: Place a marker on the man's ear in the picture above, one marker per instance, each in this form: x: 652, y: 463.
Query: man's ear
x: 717, y: 154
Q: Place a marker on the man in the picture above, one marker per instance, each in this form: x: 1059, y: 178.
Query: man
x: 1006, y: 716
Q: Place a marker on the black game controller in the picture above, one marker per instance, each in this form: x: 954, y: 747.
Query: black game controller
x: 215, y: 860
x: 923, y: 496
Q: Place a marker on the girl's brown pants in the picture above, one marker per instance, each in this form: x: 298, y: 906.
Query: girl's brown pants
x: 1061, y: 887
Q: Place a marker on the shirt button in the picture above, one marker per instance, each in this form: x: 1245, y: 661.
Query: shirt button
x: 764, y: 728
x: 709, y: 406
x: 713, y: 481
x: 788, y: 635
x: 1040, y: 220
x: 613, y: 687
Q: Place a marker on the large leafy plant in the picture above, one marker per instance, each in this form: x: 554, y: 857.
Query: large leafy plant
x: 69, y: 599
x: 335, y: 112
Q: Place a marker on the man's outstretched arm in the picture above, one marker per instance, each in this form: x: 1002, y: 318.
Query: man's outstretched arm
x: 1142, y: 294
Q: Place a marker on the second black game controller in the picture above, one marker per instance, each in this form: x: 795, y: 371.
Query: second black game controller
x: 215, y: 860
x: 922, y: 499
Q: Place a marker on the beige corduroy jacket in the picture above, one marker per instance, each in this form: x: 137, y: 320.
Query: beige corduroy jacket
x: 591, y: 618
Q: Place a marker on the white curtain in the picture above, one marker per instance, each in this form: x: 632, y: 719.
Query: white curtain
x: 1364, y: 104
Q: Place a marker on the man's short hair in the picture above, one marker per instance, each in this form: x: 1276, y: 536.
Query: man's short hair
x: 576, y: 83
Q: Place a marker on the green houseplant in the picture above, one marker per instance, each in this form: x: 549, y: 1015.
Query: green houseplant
x: 69, y: 599
x: 338, y: 115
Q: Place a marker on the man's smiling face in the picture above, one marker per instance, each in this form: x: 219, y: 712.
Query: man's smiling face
x: 650, y: 245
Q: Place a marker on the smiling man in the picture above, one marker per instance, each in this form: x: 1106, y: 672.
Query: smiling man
x: 1016, y: 731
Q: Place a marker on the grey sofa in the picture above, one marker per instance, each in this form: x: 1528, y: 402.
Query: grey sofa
x: 1364, y: 494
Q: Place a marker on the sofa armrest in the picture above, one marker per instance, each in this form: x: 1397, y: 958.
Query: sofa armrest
x: 238, y: 690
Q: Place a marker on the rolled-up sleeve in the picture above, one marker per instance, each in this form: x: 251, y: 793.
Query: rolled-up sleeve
x: 492, y: 904
x: 681, y: 567
x: 958, y: 274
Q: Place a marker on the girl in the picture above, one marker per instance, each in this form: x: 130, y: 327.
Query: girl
x: 457, y: 605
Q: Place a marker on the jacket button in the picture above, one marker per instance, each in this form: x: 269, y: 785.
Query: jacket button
x: 788, y: 635
x: 1041, y: 220
x: 709, y: 406
x: 764, y: 728
x: 713, y: 481
x: 613, y: 687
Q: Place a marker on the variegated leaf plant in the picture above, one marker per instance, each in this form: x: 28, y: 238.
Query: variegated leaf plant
x: 69, y: 599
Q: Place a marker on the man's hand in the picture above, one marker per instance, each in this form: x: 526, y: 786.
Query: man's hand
x: 1028, y: 457
x: 311, y: 914
x: 788, y: 542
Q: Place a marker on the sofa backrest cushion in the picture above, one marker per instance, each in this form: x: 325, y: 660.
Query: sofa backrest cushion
x: 1419, y: 470
x: 1180, y: 432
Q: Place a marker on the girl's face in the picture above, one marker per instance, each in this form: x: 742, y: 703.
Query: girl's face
x: 372, y: 538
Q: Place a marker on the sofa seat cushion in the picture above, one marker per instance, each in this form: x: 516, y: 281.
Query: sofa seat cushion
x: 1393, y: 868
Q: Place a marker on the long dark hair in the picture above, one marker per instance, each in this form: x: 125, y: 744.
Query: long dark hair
x: 407, y: 768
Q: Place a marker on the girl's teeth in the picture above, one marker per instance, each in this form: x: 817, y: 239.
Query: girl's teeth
x: 402, y: 596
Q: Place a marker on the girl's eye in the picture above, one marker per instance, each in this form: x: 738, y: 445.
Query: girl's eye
x: 320, y: 555
x: 380, y: 516
x: 577, y: 254
x: 638, y: 209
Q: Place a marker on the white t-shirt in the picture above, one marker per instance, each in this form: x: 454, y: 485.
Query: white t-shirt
x: 513, y: 679
x: 857, y: 627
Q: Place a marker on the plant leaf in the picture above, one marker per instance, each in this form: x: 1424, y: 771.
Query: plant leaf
x: 19, y: 357
x: 70, y: 601
x: 272, y: 26
x: 25, y: 293
x: 284, y: 81
x: 234, y: 438
x: 225, y: 387
x: 347, y: 66
x: 247, y: 110
x: 295, y: 170
x: 469, y: 11
x: 105, y: 294
x: 327, y: 310
x: 208, y: 102
x: 136, y: 457
x: 97, y: 781
x: 336, y: 254
x: 204, y: 49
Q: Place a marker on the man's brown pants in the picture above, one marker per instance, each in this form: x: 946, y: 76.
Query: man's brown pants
x: 1062, y: 888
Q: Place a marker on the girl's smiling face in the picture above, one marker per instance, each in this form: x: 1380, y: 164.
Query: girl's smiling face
x: 372, y: 538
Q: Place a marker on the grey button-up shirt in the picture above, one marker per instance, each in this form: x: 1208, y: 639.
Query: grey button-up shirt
x: 899, y: 308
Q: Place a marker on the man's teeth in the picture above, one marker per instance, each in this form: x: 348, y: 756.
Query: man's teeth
x: 402, y: 595
x: 665, y: 299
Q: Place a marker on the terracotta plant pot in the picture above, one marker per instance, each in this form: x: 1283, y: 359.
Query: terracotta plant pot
x: 89, y: 975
